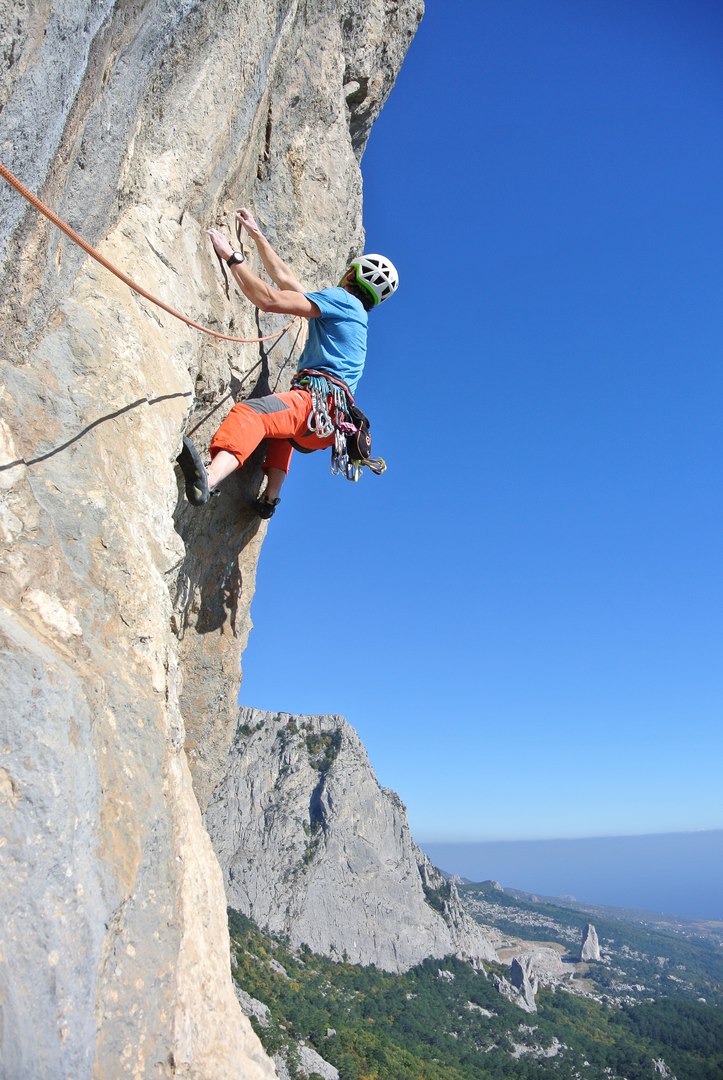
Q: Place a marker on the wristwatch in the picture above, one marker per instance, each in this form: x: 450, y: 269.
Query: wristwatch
x: 235, y: 257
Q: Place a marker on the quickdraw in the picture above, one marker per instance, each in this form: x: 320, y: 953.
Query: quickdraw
x: 331, y: 404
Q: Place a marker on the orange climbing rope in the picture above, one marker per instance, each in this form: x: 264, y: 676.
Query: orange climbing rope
x: 48, y: 213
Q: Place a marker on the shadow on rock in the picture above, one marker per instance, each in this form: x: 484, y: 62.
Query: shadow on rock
x: 210, y: 578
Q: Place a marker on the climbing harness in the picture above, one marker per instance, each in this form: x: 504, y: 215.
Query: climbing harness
x: 48, y: 213
x: 333, y: 412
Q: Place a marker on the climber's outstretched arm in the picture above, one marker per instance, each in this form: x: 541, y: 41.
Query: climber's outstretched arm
x: 279, y: 271
x: 262, y: 295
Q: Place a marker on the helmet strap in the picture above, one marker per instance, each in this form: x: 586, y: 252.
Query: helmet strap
x: 365, y: 286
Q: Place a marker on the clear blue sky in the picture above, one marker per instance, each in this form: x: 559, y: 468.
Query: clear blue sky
x: 523, y: 619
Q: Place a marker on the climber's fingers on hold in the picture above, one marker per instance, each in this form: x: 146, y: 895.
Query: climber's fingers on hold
x: 245, y: 217
x: 219, y: 241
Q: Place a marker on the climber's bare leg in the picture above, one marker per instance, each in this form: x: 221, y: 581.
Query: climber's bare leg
x: 275, y: 478
x: 223, y: 465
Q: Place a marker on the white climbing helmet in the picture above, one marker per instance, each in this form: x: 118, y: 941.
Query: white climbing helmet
x: 376, y: 275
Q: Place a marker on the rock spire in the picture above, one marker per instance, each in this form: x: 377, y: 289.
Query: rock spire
x: 590, y: 947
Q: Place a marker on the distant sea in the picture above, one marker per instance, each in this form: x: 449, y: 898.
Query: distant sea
x: 669, y: 873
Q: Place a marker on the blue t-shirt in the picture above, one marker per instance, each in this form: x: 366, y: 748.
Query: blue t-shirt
x: 337, y: 341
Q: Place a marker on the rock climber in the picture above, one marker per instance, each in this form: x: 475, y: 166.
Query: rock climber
x: 336, y: 348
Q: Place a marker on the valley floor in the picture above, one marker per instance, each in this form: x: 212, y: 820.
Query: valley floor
x: 443, y: 1020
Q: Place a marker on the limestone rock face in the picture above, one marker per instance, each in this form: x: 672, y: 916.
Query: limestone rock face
x: 529, y: 970
x: 312, y: 848
x: 313, y: 1064
x: 590, y: 947
x: 524, y: 979
x: 123, y: 614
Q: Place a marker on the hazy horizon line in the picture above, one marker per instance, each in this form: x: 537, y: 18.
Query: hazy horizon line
x: 563, y: 839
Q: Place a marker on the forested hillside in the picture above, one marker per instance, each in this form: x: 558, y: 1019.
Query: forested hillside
x: 445, y: 1021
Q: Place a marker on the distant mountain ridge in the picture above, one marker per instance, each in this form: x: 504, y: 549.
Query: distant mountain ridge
x: 313, y: 848
x: 321, y: 857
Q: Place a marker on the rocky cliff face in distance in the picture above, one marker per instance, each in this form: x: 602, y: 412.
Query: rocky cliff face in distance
x: 123, y: 614
x: 312, y: 848
x: 529, y: 970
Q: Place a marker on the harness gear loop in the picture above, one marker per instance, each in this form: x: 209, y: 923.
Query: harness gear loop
x: 331, y: 403
x: 319, y: 421
x: 52, y: 217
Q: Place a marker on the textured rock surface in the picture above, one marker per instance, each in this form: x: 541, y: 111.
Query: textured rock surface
x: 590, y: 947
x: 524, y: 979
x: 250, y: 1006
x: 529, y: 970
x: 308, y: 1063
x: 122, y: 628
x: 312, y: 1064
x: 311, y: 847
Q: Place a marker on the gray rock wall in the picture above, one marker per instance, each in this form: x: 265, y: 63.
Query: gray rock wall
x: 312, y: 848
x: 123, y: 616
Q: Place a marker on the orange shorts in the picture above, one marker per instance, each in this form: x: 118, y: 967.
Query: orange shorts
x: 280, y: 418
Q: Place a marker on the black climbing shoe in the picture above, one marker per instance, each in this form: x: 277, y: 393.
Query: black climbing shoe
x: 194, y: 474
x: 265, y: 507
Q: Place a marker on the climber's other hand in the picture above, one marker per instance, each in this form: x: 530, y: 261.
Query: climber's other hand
x: 246, y: 218
x: 220, y: 244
